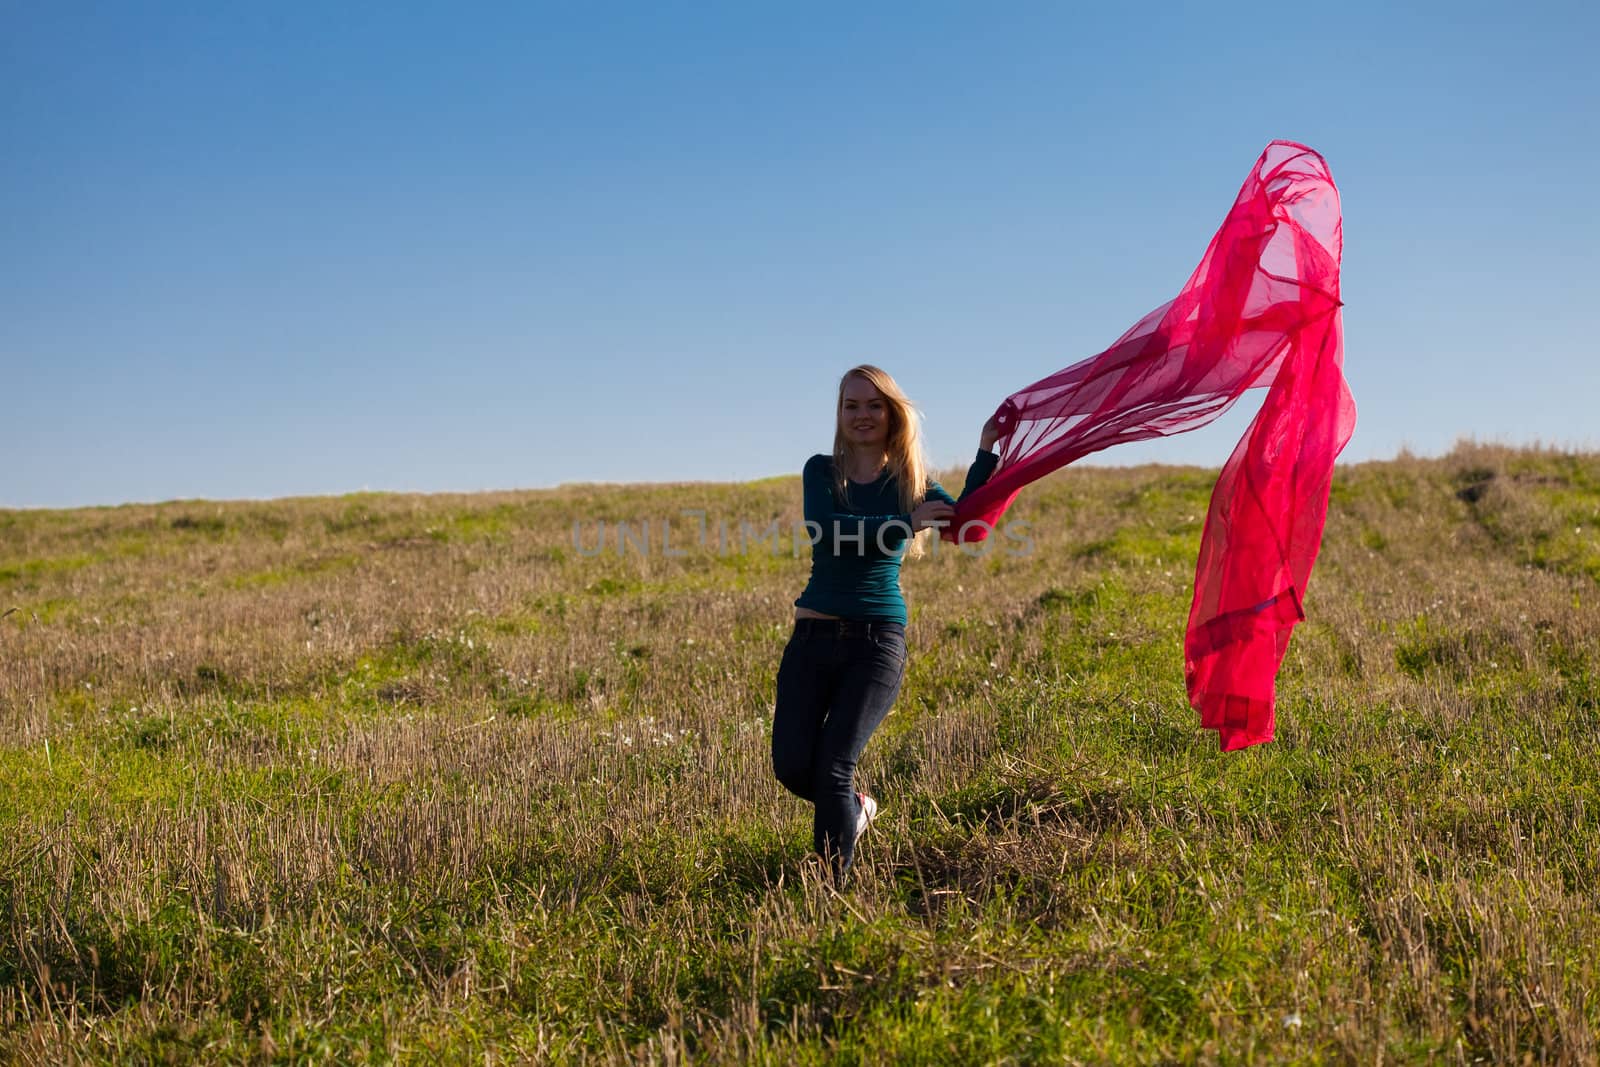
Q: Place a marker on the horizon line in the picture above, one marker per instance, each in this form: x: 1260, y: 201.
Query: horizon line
x: 1403, y: 453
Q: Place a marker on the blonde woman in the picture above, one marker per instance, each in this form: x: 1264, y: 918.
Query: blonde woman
x: 865, y: 506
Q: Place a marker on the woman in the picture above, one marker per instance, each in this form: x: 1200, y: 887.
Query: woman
x: 843, y: 665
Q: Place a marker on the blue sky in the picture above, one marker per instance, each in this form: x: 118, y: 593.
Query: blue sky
x: 263, y: 250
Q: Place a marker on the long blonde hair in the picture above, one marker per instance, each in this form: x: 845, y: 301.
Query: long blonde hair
x: 903, y: 445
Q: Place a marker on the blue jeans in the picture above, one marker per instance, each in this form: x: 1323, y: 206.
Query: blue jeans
x: 836, y: 683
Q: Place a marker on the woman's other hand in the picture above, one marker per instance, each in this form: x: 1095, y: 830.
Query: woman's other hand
x: 990, y: 434
x: 931, y: 513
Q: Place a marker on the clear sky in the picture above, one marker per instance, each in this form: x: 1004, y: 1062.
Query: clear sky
x: 253, y: 250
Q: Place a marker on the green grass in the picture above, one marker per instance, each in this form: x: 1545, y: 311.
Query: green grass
x: 402, y: 778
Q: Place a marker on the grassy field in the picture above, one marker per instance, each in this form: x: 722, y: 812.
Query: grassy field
x: 418, y: 778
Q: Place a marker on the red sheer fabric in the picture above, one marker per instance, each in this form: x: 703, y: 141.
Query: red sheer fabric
x: 1261, y: 310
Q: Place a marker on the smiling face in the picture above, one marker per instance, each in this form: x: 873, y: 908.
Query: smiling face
x: 863, y: 414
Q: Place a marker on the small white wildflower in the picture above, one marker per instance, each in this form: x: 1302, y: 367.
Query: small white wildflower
x: 1292, y: 1021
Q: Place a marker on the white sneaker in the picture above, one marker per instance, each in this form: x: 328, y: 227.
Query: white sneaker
x: 869, y: 811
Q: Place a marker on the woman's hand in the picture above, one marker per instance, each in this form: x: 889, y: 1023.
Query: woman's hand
x: 990, y: 434
x: 931, y: 513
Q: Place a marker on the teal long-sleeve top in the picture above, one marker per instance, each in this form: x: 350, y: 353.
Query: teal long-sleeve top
x: 858, y: 543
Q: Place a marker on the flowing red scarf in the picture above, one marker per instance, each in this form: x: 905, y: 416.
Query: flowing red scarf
x: 1261, y: 310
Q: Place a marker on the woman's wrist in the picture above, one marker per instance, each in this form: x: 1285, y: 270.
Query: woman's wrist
x: 989, y: 434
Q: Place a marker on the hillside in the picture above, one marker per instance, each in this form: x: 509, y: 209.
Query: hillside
x: 420, y: 777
